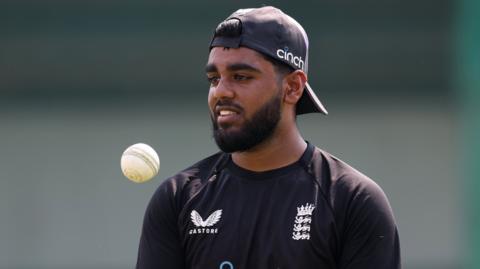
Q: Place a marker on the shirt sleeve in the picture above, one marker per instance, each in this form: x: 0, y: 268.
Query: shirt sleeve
x: 370, y: 235
x: 160, y: 245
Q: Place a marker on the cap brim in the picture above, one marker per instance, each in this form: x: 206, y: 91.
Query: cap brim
x: 309, y: 102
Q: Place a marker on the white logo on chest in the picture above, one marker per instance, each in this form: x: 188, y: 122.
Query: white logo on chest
x: 301, y: 227
x: 204, y: 226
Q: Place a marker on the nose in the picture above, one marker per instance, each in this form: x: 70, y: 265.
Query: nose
x: 222, y: 90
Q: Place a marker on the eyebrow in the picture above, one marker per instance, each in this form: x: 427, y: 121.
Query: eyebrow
x: 233, y: 67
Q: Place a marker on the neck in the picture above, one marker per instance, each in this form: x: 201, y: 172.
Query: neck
x: 282, y: 149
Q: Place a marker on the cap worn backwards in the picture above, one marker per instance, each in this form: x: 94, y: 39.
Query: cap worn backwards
x: 271, y: 32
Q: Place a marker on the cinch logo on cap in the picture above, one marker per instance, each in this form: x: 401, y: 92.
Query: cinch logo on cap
x: 286, y: 55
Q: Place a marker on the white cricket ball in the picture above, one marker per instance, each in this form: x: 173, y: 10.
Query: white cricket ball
x: 140, y: 163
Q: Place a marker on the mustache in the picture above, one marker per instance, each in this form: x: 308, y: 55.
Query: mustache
x: 229, y: 103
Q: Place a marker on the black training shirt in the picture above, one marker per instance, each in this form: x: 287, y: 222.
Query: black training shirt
x: 315, y: 213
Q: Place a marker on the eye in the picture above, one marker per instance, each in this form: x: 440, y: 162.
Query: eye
x: 241, y: 77
x: 213, y: 80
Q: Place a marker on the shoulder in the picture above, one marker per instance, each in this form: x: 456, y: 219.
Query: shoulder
x: 345, y: 187
x: 332, y: 172
x: 181, y: 186
x: 347, y: 178
x: 160, y: 240
x: 201, y: 170
x: 364, y: 219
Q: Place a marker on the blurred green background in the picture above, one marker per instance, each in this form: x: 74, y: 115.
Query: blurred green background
x: 82, y: 80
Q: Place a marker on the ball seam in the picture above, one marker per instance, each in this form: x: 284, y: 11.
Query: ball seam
x: 143, y: 156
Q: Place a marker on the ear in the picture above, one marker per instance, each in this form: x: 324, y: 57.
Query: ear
x: 294, y: 84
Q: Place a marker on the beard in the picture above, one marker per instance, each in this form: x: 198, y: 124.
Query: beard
x: 253, y: 132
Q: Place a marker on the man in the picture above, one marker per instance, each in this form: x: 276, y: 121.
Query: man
x: 268, y: 199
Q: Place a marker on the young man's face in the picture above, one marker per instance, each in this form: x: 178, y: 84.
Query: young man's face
x: 245, y: 98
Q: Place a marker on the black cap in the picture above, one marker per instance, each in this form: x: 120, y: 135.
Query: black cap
x: 271, y: 32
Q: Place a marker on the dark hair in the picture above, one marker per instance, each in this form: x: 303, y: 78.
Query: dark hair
x: 233, y: 28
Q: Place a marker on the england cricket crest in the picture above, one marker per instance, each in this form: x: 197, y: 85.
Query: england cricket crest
x: 301, y: 227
